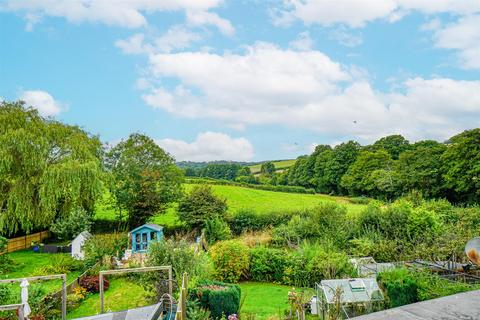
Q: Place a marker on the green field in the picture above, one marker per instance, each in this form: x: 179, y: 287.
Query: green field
x: 121, y: 295
x: 279, y: 165
x: 260, y: 201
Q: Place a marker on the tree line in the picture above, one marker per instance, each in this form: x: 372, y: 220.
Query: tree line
x: 392, y: 167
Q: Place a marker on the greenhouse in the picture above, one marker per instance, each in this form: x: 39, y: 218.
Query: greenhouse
x: 347, y: 297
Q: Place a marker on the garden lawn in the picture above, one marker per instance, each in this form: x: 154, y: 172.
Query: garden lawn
x: 264, y: 299
x: 121, y: 295
x: 28, y: 263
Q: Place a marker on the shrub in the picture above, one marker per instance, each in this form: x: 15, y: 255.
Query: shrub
x: 182, y: 257
x: 200, y: 205
x: 217, y: 229
x: 268, y: 264
x: 220, y: 298
x: 248, y: 220
x: 67, y: 228
x: 92, y: 283
x: 61, y: 264
x: 101, y: 245
x: 231, y: 260
x: 404, y: 286
x: 7, y: 296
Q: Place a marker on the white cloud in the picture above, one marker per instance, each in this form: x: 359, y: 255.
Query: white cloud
x: 345, y: 38
x: 462, y: 36
x: 42, y: 101
x: 303, y: 42
x: 177, y: 37
x: 200, y: 18
x: 124, y: 13
x: 356, y: 14
x: 209, y: 146
x: 306, y: 89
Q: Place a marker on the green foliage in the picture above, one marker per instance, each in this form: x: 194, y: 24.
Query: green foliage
x: 104, y: 245
x: 217, y: 229
x: 182, y: 257
x: 145, y: 178
x: 196, y: 312
x: 252, y: 185
x: 46, y: 169
x: 249, y: 220
x: 200, y: 205
x: 405, y: 286
x: 62, y: 264
x: 370, y: 175
x: 326, y: 221
x: 393, y: 144
x: 422, y: 169
x: 68, y: 227
x: 268, y: 264
x: 267, y: 168
x: 462, y: 162
x: 231, y: 260
x: 220, y: 298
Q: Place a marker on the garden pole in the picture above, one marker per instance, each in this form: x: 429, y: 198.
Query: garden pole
x: 64, y: 297
x: 100, y: 279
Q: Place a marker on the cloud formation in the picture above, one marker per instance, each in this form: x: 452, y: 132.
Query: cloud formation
x: 209, y: 146
x: 42, y: 101
x: 307, y: 89
x: 124, y: 13
x: 357, y: 14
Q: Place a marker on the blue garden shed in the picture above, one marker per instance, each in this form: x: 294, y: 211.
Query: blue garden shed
x: 142, y: 236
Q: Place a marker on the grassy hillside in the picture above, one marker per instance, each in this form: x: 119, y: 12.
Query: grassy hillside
x: 238, y: 198
x: 279, y: 165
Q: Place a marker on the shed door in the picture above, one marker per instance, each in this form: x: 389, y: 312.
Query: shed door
x: 144, y: 241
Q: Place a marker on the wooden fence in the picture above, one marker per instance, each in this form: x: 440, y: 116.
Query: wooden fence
x: 25, y: 242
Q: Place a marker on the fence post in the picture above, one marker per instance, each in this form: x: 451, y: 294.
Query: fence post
x: 100, y: 278
x: 64, y: 297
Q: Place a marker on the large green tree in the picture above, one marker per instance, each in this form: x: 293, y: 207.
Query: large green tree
x: 46, y: 169
x: 371, y: 175
x: 462, y: 166
x: 421, y: 169
x: 343, y: 156
x: 394, y: 144
x: 145, y: 178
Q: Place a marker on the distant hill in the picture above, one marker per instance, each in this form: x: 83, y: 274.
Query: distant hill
x: 280, y: 165
x: 198, y: 165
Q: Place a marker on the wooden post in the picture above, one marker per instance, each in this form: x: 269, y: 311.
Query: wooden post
x: 170, y: 284
x: 100, y: 278
x: 64, y: 297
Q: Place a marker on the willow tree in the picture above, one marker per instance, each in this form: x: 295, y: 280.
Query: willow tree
x: 46, y: 169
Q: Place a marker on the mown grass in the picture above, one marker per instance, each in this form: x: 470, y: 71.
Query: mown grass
x: 28, y: 263
x: 264, y: 299
x: 238, y: 198
x: 279, y: 165
x: 122, y: 294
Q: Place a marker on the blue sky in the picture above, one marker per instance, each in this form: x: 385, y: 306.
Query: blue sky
x: 246, y: 80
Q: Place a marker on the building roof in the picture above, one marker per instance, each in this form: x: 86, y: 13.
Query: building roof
x: 152, y: 226
x: 458, y: 306
x: 144, y: 313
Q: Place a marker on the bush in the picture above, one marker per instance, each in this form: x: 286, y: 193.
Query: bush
x: 217, y: 229
x: 248, y: 220
x: 92, y: 283
x: 277, y: 188
x: 220, y: 298
x: 404, y: 286
x: 200, y: 205
x: 104, y: 245
x: 62, y: 264
x: 268, y: 264
x: 231, y: 260
x: 67, y: 228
